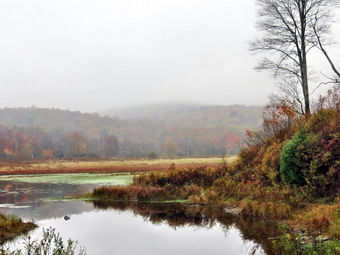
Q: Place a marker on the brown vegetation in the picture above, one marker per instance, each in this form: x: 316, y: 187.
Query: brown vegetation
x: 129, y: 193
x: 11, y: 226
x: 319, y: 218
x: 288, y: 165
x: 100, y: 166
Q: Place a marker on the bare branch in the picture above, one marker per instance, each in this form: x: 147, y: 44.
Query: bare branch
x: 290, y: 30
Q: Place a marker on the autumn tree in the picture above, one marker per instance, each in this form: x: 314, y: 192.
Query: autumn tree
x: 77, y: 144
x: 111, y: 146
x: 291, y: 29
x: 47, y: 154
x: 170, y: 147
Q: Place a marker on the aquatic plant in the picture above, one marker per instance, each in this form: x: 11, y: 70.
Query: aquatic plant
x: 292, y: 244
x: 50, y: 244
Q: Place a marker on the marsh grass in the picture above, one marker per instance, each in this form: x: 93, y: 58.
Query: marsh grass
x: 12, y: 226
x: 97, y: 164
x: 50, y: 244
x: 266, y: 210
x: 130, y: 193
x: 292, y: 244
x: 142, y: 193
x: 179, y: 184
x: 228, y: 186
x: 211, y: 186
x: 318, y: 219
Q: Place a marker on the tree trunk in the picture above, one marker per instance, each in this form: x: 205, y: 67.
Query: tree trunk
x: 303, y: 59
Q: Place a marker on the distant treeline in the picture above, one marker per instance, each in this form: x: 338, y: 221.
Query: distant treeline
x: 52, y: 133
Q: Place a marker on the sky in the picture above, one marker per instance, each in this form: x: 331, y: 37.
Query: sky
x: 93, y: 55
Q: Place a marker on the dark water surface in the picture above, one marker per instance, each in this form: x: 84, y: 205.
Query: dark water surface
x: 125, y: 228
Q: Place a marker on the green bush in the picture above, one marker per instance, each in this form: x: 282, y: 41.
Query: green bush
x: 322, y: 176
x: 311, y: 159
x: 290, y: 164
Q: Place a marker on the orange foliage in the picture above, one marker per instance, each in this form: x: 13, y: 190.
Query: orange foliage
x: 47, y: 154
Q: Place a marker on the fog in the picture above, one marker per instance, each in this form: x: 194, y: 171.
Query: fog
x: 94, y: 55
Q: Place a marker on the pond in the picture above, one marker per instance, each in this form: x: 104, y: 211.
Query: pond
x: 128, y: 228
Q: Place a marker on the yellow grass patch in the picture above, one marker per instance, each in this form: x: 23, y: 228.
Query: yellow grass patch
x: 318, y: 219
x: 65, y: 164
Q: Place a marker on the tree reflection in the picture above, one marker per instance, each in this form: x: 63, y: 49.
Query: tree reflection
x: 178, y: 215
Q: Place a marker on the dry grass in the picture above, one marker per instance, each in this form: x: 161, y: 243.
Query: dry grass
x: 103, y: 166
x: 318, y: 219
x: 129, y: 193
x: 11, y: 226
x: 265, y: 210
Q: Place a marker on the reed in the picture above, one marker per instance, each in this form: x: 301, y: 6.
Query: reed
x: 265, y: 210
x: 130, y: 193
x: 316, y: 218
x: 12, y: 226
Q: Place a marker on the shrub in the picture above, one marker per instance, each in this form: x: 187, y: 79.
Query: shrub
x: 325, y: 121
x: 312, y: 159
x: 290, y: 164
x: 270, y: 162
x: 201, y: 176
x: 50, y: 244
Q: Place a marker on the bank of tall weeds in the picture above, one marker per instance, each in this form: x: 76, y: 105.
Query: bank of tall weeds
x: 289, y: 170
x: 12, y: 226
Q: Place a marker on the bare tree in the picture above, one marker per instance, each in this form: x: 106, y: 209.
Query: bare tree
x: 290, y: 93
x: 321, y: 47
x: 291, y: 29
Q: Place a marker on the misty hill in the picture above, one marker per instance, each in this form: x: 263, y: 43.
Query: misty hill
x: 217, y: 115
x: 153, y: 111
x: 149, y: 130
x: 54, y: 118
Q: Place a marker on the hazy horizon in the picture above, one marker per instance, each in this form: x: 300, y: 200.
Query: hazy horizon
x: 131, y: 107
x: 93, y: 56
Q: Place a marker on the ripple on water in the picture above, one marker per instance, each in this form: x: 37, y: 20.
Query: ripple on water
x: 13, y: 206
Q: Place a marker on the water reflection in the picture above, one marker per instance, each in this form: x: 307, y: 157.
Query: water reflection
x: 179, y: 215
x: 13, y: 192
x: 127, y: 228
x: 150, y: 229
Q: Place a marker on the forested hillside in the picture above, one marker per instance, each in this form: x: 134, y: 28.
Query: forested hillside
x: 203, y: 115
x: 170, y: 130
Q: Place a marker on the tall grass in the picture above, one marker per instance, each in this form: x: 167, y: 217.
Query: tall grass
x: 160, y: 186
x: 316, y: 218
x: 130, y: 193
x: 104, y: 163
x: 50, y: 244
x: 11, y: 226
x: 292, y: 244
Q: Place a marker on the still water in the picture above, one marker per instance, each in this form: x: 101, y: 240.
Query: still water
x: 125, y: 228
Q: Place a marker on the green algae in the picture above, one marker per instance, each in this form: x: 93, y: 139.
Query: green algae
x: 78, y: 178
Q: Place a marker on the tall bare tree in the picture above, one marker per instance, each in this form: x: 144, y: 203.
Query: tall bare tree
x: 321, y: 47
x: 290, y: 30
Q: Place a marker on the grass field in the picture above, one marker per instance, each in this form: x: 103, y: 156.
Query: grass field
x: 102, y: 166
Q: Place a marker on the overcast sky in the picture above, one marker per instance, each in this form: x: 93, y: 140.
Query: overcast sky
x: 94, y: 55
